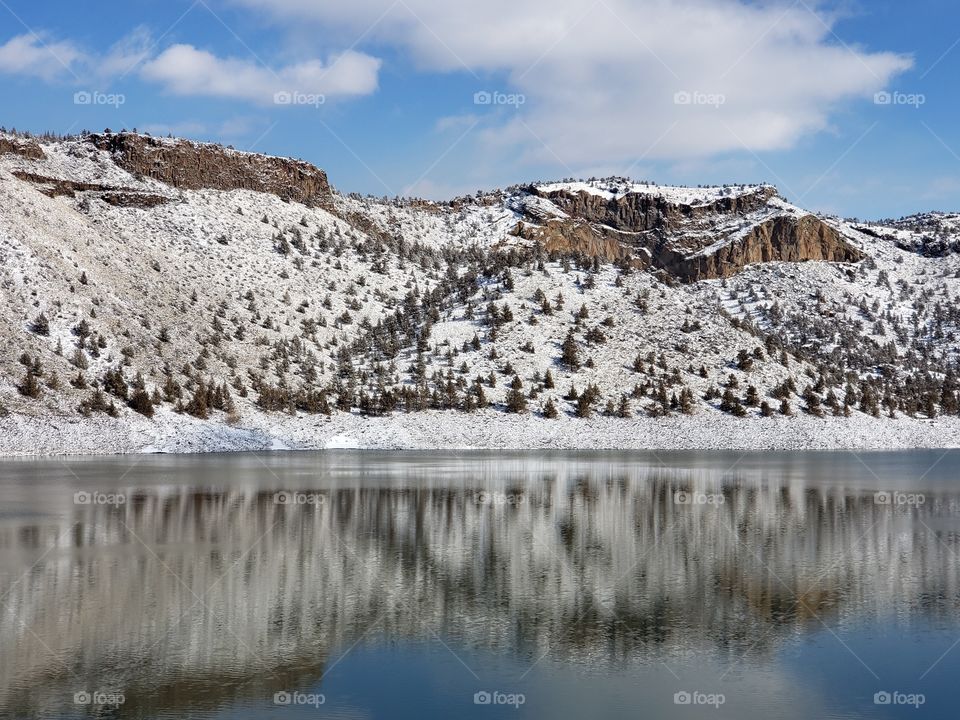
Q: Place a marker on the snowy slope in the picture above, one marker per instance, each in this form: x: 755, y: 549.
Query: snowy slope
x: 316, y: 319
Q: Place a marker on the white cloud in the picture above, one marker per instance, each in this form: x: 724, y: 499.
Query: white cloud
x: 456, y: 122
x: 186, y: 70
x: 600, y: 80
x: 34, y: 56
x: 125, y: 55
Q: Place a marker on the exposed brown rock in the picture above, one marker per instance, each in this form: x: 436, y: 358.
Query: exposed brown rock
x: 575, y: 237
x: 133, y: 199
x: 121, y: 197
x: 365, y: 225
x: 21, y: 146
x: 194, y: 166
x: 58, y: 186
x: 783, y: 239
x: 672, y: 236
x: 639, y: 212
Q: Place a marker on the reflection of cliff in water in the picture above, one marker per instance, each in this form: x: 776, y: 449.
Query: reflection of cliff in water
x: 218, y: 595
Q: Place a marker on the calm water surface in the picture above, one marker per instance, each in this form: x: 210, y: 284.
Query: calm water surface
x: 481, y: 585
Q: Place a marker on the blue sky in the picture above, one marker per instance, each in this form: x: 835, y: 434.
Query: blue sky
x: 848, y: 107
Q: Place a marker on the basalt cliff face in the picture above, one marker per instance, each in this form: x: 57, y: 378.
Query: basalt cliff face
x: 639, y: 212
x: 576, y: 237
x: 691, y: 241
x: 10, y: 145
x: 196, y: 166
x: 783, y: 239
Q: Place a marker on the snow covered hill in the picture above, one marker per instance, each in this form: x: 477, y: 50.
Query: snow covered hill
x: 164, y: 294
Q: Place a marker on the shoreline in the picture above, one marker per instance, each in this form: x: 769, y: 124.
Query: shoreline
x: 167, y: 432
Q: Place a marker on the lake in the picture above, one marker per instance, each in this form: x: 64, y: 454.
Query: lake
x: 481, y: 585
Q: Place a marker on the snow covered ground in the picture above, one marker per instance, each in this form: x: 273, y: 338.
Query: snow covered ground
x: 170, y: 433
x: 615, y: 188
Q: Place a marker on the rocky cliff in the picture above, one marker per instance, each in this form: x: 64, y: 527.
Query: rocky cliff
x: 691, y: 241
x: 11, y: 145
x: 783, y: 239
x: 195, y: 166
x: 638, y: 212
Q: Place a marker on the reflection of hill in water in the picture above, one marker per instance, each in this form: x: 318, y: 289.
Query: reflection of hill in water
x: 235, y: 595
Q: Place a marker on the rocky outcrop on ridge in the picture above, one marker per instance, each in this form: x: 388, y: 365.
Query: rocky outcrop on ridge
x: 196, y: 166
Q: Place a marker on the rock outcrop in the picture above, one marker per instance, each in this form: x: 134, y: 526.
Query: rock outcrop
x: 576, y: 237
x: 195, y: 166
x: 121, y: 197
x: 21, y: 146
x: 686, y: 240
x: 639, y: 212
x: 783, y: 239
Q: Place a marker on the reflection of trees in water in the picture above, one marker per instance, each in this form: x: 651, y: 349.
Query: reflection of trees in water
x: 601, y: 568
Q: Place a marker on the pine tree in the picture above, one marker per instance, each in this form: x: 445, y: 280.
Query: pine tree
x: 550, y: 410
x: 41, y: 326
x: 479, y: 394
x: 812, y: 402
x: 79, y: 360
x: 586, y: 401
x: 141, y: 402
x: 114, y: 383
x: 198, y: 403
x: 516, y: 400
x: 570, y: 353
x: 29, y: 386
x: 728, y: 401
